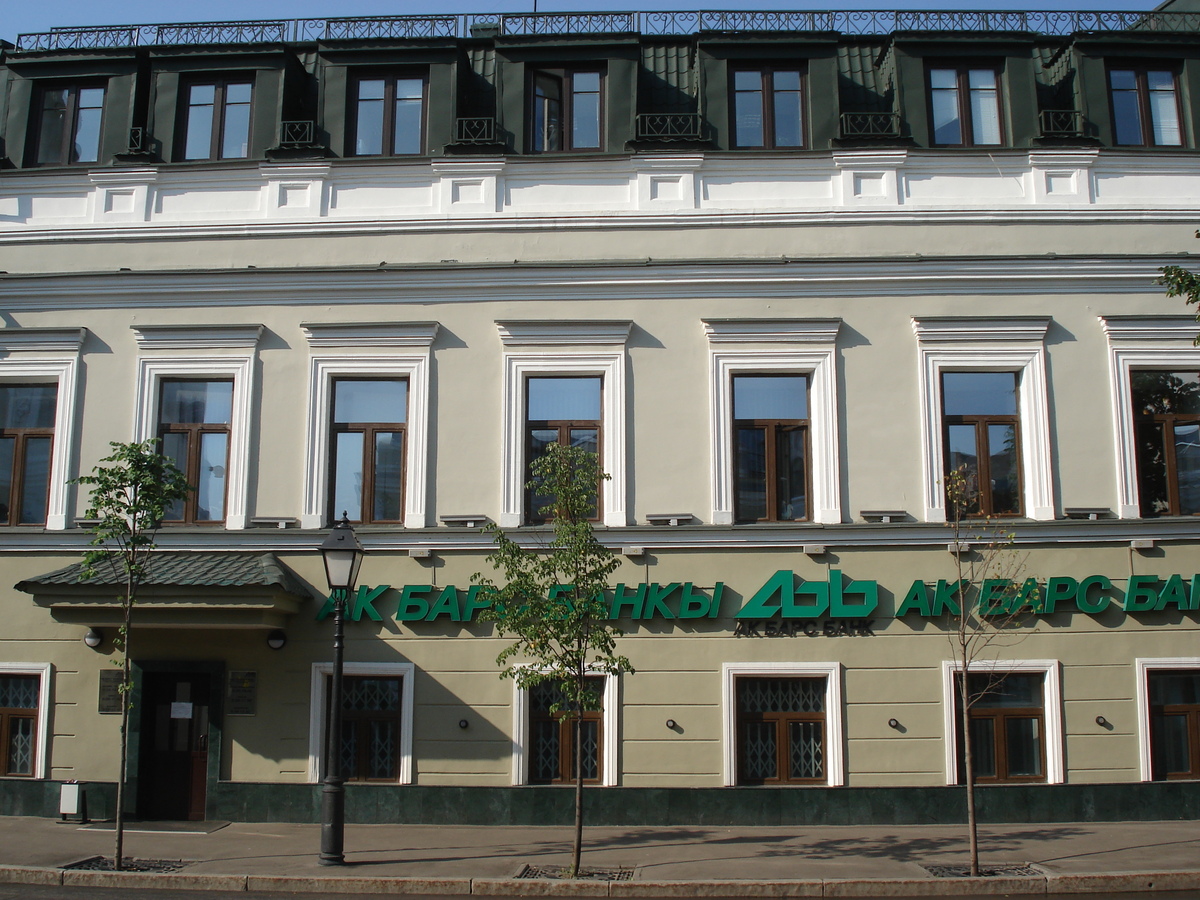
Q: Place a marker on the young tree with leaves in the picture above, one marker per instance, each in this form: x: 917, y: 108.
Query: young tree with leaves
x: 128, y: 501
x: 1181, y: 282
x: 552, y: 600
x: 990, y: 602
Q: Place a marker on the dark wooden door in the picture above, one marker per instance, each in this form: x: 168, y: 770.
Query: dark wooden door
x: 173, y: 753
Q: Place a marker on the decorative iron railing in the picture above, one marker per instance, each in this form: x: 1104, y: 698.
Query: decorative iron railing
x: 1062, y: 123
x: 669, y: 127
x: 870, y: 125
x: 139, y: 140
x: 851, y: 22
x: 297, y: 133
x: 475, y: 131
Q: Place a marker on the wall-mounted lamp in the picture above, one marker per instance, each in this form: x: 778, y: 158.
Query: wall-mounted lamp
x: 671, y: 724
x: 93, y: 638
x: 893, y: 723
x: 277, y: 639
x: 1101, y: 721
x: 463, y: 723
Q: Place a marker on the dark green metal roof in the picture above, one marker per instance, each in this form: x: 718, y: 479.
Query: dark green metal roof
x: 171, y: 569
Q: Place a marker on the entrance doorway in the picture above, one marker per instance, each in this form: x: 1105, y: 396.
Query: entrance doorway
x: 173, y: 751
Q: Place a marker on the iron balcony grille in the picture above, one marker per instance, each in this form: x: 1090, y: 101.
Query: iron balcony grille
x: 297, y: 133
x: 1062, y: 123
x: 849, y: 22
x: 139, y: 140
x: 870, y: 125
x: 669, y: 127
x: 475, y: 131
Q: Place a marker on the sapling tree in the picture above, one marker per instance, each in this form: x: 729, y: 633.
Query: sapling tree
x: 128, y: 500
x: 551, y: 599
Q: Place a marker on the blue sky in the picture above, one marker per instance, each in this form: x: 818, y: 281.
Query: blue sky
x: 24, y: 16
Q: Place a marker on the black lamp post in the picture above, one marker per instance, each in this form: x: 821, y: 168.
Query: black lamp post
x: 343, y: 555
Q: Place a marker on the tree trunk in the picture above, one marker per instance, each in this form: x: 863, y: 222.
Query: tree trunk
x: 578, y: 846
x: 126, y: 701
x: 969, y: 769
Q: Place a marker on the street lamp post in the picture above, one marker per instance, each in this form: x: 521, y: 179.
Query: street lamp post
x: 343, y: 555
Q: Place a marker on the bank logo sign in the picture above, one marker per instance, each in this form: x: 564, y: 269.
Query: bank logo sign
x: 786, y: 596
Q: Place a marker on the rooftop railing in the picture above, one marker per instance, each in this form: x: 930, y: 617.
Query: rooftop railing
x: 850, y: 22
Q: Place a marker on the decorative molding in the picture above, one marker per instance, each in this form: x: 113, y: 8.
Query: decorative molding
x: 1144, y: 667
x: 609, y: 728
x: 987, y: 345
x: 42, y: 340
x: 743, y: 331
x: 835, y: 766
x: 317, y: 706
x: 369, y: 334
x: 197, y: 337
x: 1151, y: 329
x: 549, y: 332
x: 414, y: 368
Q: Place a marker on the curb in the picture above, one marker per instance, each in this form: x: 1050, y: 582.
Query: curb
x: 1131, y: 882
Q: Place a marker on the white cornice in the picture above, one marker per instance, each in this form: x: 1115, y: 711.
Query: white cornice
x: 548, y: 332
x: 369, y: 334
x: 1150, y: 328
x: 46, y: 340
x: 1029, y: 329
x: 820, y: 331
x: 196, y: 337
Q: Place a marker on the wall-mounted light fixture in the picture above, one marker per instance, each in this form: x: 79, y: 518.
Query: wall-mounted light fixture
x: 277, y: 639
x: 463, y: 723
x: 1101, y: 721
x: 893, y: 723
x: 93, y: 638
x: 671, y: 724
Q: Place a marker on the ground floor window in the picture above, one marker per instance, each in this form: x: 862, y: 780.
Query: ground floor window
x: 377, y: 721
x: 1007, y: 724
x: 780, y: 730
x: 19, y: 696
x: 1175, y: 723
x: 552, y: 736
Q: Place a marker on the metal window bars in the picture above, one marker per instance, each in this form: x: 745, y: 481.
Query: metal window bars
x: 1061, y: 123
x: 479, y: 130
x: 870, y: 125
x: 670, y: 127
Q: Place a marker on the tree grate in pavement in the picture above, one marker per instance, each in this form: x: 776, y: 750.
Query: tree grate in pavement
x: 1008, y: 870
x: 105, y: 864
x: 585, y: 873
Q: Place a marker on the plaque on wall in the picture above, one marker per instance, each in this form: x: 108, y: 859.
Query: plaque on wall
x: 243, y: 694
x: 109, y: 703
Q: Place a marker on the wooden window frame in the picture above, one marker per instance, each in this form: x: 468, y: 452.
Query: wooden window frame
x: 767, y: 109
x: 566, y: 76
x: 70, y: 125
x: 1000, y: 717
x: 194, y: 432
x: 563, y: 427
x: 1145, y: 118
x: 389, y: 80
x: 360, y: 720
x: 782, y: 721
x: 1164, y: 424
x: 983, y: 458
x: 8, y: 714
x: 216, y: 138
x: 369, y: 430
x: 773, y: 428
x: 962, y: 72
x: 21, y: 437
x: 566, y: 739
x: 1192, y: 713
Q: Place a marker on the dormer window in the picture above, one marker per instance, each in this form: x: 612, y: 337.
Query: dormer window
x: 768, y: 108
x: 389, y: 115
x: 216, y: 118
x: 566, y: 113
x: 965, y: 106
x: 68, y: 125
x: 1145, y: 107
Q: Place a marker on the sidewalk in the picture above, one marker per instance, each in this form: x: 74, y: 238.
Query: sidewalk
x: 667, y: 862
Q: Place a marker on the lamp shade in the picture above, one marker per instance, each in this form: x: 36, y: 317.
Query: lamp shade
x: 343, y: 555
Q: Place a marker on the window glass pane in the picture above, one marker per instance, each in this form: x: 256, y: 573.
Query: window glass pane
x: 985, y: 106
x: 979, y: 393
x: 174, y: 447
x: 87, y: 125
x: 235, y: 142
x: 547, y: 112
x: 19, y: 753
x: 1003, y: 467
x: 585, y: 118
x: 961, y: 449
x: 407, y: 133
x: 196, y: 402
x: 368, y: 135
x: 371, y: 89
x: 770, y: 397
x: 1164, y: 110
x: 53, y: 121
x: 585, y: 439
x: 1123, y: 79
x: 983, y: 747
x: 788, y: 110
x: 1175, y: 393
x: 1187, y: 467
x: 1006, y: 691
x: 806, y: 749
x: 348, y: 475
x: 791, y: 483
x: 198, y: 139
x: 8, y: 448
x: 586, y: 82
x: 370, y: 401
x: 947, y: 127
x: 759, y: 756
x: 35, y: 481
x: 748, y: 109
x: 1172, y: 688
x: 943, y: 79
x: 1127, y: 115
x: 19, y: 691
x: 563, y: 400
x: 751, y: 484
x: 1153, y: 496
x: 389, y: 463
x: 382, y: 746
x: 28, y: 405
x: 1171, y: 749
x: 210, y: 492
x: 1024, y: 747
x: 590, y: 740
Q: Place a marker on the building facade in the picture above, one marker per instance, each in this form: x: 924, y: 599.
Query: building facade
x: 782, y: 271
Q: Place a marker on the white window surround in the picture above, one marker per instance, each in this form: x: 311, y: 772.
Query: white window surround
x: 987, y: 345
x: 548, y: 348
x: 608, y: 729
x: 61, y: 368
x: 316, y: 712
x: 813, y: 354
x: 413, y: 366
x: 41, y: 757
x: 151, y: 373
x: 835, y: 766
x: 1052, y: 717
x: 1144, y: 667
x: 1136, y: 342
